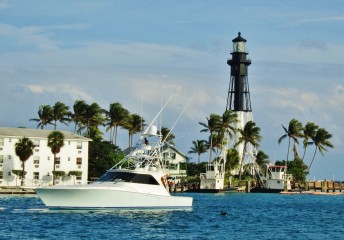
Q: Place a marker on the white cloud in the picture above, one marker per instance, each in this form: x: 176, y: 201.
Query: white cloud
x: 74, y: 92
x: 322, y: 19
x: 292, y: 98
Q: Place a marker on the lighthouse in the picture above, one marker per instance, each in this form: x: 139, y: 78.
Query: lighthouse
x: 238, y: 99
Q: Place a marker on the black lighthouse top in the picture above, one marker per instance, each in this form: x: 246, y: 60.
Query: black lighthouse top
x: 239, y: 38
x: 239, y: 44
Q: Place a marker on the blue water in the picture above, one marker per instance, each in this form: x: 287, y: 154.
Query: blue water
x: 250, y: 216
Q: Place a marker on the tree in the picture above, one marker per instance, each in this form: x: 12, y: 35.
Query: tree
x: 233, y: 160
x: 55, y: 142
x: 79, y: 108
x: 249, y: 135
x: 297, y: 168
x: 93, y: 118
x: 167, y: 136
x: 212, y: 125
x: 293, y: 132
x: 116, y: 115
x: 309, y: 132
x: 102, y: 156
x: 198, y: 148
x: 134, y: 124
x: 262, y: 160
x: 45, y: 116
x: 228, y: 119
x: 321, y: 140
x: 24, y: 150
x: 60, y: 113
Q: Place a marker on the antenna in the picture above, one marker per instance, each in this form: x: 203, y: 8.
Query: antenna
x: 170, y: 98
x: 187, y: 104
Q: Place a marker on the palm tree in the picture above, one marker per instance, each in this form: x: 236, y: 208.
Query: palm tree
x: 167, y: 136
x: 309, y: 132
x: 262, y: 160
x: 199, y: 148
x: 45, y: 116
x: 321, y: 140
x: 233, y: 160
x: 294, y: 131
x: 55, y: 142
x: 228, y: 119
x: 24, y: 150
x: 250, y: 134
x: 60, y: 113
x: 134, y: 124
x: 213, y: 124
x: 79, y: 108
x: 116, y: 115
x: 93, y: 118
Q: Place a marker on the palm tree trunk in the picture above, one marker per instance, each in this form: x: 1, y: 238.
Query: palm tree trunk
x: 54, y: 170
x: 310, y: 165
x: 199, y: 158
x: 114, y: 137
x: 286, y: 163
x: 304, y: 154
x: 242, y: 161
x: 211, y: 146
x: 23, y: 174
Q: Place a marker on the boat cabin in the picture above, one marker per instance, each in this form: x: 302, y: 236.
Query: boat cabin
x: 278, y: 177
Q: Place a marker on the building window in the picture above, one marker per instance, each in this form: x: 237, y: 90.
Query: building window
x: 78, y: 177
x: 36, y: 175
x: 1, y: 158
x: 173, y: 155
x: 1, y: 175
x: 165, y: 155
x: 48, y: 158
x: 68, y: 142
x: 78, y: 161
x: 1, y: 142
x: 68, y: 159
x: 9, y: 157
x: 57, y: 160
x: 35, y: 143
x: 10, y: 140
x: 36, y: 160
x: 79, y: 145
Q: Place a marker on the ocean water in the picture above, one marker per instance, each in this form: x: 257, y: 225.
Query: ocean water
x: 250, y: 216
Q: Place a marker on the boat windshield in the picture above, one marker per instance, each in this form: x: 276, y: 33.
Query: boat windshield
x: 128, y: 177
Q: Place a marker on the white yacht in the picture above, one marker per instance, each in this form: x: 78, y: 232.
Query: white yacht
x: 138, y: 181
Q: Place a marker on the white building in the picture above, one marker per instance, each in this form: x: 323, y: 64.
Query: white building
x: 72, y: 159
x: 174, y: 162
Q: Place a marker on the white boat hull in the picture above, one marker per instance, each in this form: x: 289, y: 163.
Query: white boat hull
x: 91, y: 198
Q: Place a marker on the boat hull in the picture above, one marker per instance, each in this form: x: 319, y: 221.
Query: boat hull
x: 265, y: 190
x: 91, y: 198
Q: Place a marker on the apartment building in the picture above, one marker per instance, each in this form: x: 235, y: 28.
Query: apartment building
x: 71, y: 162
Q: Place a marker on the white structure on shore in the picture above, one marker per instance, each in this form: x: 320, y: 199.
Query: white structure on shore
x: 72, y: 159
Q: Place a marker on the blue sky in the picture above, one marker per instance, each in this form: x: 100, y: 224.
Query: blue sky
x: 137, y: 52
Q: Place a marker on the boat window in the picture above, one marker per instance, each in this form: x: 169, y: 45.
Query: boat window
x: 128, y: 177
x: 116, y: 177
x: 144, y: 179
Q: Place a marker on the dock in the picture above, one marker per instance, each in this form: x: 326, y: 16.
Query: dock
x: 16, y: 190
